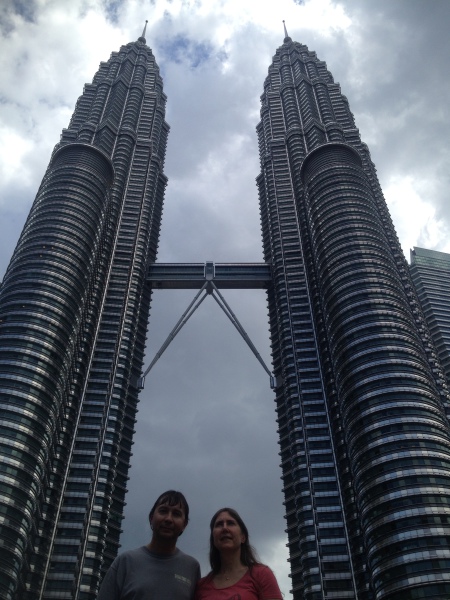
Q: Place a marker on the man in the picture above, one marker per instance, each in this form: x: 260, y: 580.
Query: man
x: 159, y: 570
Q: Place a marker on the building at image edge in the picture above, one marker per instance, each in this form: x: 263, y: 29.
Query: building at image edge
x: 74, y: 307
x: 363, y: 410
x: 430, y: 271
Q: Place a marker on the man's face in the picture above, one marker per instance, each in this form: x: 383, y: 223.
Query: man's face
x: 168, y: 522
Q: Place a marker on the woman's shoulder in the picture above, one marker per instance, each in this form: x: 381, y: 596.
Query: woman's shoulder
x: 259, y: 568
x: 265, y: 581
x: 262, y: 573
x: 205, y: 581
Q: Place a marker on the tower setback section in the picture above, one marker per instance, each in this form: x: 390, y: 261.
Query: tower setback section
x: 363, y: 410
x: 73, y: 317
x: 430, y: 272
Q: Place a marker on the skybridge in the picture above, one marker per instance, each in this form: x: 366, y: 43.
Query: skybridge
x: 208, y: 277
x: 237, y: 276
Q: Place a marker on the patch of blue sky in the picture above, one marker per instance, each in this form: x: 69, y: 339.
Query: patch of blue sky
x: 181, y: 49
x: 26, y: 9
x: 111, y: 8
x: 222, y: 56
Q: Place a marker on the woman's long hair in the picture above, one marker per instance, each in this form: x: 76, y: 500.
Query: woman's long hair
x: 249, y: 556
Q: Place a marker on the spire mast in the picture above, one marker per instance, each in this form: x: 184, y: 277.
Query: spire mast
x: 142, y: 38
x: 286, y: 35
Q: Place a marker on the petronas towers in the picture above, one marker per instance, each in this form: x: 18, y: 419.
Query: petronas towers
x: 362, y: 401
x: 74, y: 311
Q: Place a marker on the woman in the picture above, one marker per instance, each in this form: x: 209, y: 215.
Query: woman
x: 236, y: 573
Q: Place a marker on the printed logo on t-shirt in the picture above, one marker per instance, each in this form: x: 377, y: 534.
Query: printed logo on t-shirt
x: 183, y: 579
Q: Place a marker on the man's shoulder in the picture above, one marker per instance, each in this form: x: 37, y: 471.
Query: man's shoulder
x: 143, y: 554
x: 135, y: 551
x: 186, y: 557
x: 134, y: 554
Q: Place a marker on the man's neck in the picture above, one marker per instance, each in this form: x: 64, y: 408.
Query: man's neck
x: 159, y: 547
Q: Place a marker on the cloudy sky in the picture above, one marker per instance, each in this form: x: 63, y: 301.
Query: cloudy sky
x: 206, y: 423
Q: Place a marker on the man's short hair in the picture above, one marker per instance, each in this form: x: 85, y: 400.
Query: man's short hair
x: 172, y: 498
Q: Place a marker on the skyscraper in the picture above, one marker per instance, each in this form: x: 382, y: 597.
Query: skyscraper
x: 363, y: 409
x: 430, y: 271
x: 73, y: 318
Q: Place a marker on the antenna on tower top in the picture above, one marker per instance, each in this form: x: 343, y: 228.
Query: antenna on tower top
x: 286, y: 35
x: 142, y: 38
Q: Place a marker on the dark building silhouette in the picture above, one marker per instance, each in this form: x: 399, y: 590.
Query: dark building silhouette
x: 363, y: 409
x: 73, y: 317
x: 430, y: 272
x: 363, y: 406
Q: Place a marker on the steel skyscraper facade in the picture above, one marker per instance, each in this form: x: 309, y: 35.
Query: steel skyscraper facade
x: 73, y: 317
x: 430, y: 271
x: 363, y: 409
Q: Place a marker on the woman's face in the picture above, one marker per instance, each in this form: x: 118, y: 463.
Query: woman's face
x: 227, y: 534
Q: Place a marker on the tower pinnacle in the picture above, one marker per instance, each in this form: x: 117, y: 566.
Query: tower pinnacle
x: 142, y: 38
x: 286, y: 35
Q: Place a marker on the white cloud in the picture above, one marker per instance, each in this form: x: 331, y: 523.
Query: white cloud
x: 275, y: 557
x: 416, y: 220
x: 13, y: 150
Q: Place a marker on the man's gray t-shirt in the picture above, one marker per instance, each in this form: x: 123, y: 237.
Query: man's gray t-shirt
x: 143, y: 575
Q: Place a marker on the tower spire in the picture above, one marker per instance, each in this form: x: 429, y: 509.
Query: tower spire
x: 286, y: 35
x: 142, y: 38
